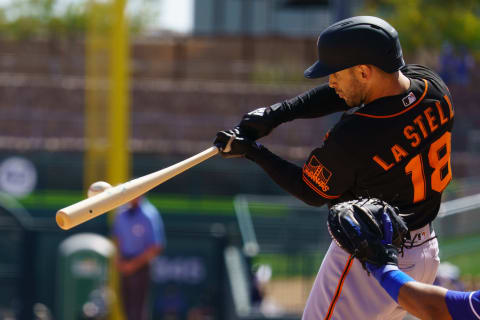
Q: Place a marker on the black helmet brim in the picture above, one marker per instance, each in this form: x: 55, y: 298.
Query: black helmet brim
x: 318, y: 70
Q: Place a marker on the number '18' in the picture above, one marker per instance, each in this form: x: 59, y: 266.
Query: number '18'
x: 438, y: 159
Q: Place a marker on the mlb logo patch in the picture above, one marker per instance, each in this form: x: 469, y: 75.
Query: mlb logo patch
x: 409, y: 99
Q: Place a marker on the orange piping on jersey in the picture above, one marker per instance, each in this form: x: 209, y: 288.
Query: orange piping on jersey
x: 339, y: 288
x: 398, y: 113
x: 318, y: 190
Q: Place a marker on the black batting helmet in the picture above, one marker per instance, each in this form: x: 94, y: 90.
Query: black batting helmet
x: 354, y: 41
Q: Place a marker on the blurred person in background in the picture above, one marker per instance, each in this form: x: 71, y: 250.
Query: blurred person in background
x: 139, y: 236
x: 456, y: 65
x: 448, y: 276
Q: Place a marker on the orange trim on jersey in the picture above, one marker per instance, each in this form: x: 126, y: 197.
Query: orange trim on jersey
x: 338, y: 291
x: 398, y: 113
x: 318, y: 190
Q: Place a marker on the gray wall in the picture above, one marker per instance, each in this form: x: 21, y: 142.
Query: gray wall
x: 260, y: 17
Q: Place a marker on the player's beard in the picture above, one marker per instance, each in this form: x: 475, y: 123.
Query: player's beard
x: 356, y: 94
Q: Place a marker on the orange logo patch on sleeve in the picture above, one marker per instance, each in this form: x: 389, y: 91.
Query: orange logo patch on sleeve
x: 316, y: 172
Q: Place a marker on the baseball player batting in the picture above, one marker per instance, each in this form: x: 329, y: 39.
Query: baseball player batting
x: 393, y: 142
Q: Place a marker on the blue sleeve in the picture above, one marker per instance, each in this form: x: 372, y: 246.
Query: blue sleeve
x: 463, y: 305
x: 161, y: 231
x: 158, y: 229
x: 391, y: 279
x: 115, y: 229
x: 158, y: 236
x: 119, y: 222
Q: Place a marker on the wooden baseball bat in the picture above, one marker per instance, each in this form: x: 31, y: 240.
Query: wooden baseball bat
x: 111, y: 198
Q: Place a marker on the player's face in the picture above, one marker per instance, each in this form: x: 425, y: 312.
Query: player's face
x: 348, y: 86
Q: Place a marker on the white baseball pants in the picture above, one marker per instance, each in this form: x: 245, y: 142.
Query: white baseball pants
x: 342, y: 289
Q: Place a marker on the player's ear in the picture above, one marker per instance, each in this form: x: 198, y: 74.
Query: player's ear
x: 365, y: 71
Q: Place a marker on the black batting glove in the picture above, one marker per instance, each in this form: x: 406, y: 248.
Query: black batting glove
x: 257, y: 123
x: 232, y: 145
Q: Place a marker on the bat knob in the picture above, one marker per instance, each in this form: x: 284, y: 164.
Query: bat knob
x: 62, y: 220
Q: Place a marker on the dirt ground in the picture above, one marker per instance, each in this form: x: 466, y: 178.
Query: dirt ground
x: 290, y: 295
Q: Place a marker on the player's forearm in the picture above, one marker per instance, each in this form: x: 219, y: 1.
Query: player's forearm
x: 421, y: 300
x: 286, y: 174
x: 424, y: 301
x: 314, y: 103
x: 317, y: 102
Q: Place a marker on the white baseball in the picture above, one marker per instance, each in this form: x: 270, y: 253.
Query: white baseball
x: 98, y: 187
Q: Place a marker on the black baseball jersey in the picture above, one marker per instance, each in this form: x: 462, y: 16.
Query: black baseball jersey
x: 396, y: 148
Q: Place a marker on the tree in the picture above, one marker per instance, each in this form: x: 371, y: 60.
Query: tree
x: 23, y: 19
x: 428, y: 24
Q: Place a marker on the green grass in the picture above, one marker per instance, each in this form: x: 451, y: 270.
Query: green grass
x: 168, y: 203
x: 468, y: 263
x: 464, y: 252
x: 51, y: 199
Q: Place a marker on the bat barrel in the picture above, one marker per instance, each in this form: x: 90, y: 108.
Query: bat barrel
x: 112, y: 198
x: 90, y: 208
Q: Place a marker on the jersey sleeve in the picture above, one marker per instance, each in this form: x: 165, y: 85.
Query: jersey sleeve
x: 463, y: 305
x: 323, y: 178
x: 317, y: 102
x: 328, y: 171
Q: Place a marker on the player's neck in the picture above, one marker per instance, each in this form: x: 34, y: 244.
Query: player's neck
x: 386, y: 85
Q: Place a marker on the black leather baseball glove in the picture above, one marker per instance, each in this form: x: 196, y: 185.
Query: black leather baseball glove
x: 369, y: 229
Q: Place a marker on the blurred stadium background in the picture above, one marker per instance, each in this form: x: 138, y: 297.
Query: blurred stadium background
x: 111, y: 89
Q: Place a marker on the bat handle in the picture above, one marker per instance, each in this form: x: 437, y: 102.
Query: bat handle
x: 210, y: 152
